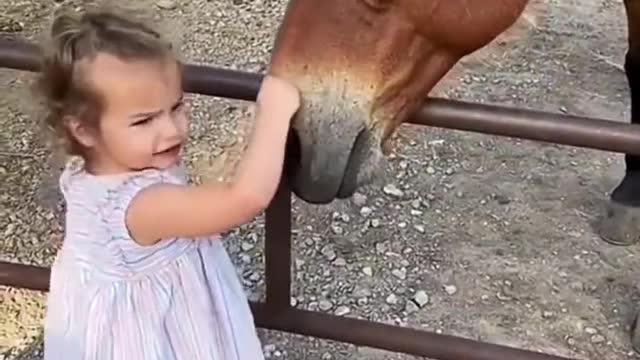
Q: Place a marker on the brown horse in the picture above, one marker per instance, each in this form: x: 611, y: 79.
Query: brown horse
x: 356, y: 96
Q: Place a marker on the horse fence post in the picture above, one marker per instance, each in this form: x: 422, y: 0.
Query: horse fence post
x: 278, y: 249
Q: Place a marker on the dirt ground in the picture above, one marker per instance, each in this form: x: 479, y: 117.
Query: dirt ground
x: 483, y: 237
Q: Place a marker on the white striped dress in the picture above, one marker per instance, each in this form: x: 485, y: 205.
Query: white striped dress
x: 110, y: 298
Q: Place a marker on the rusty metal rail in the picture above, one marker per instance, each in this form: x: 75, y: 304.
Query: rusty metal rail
x: 543, y: 126
x: 276, y: 313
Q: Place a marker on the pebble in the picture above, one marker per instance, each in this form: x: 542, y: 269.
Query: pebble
x: 450, y: 289
x: 411, y: 307
x: 328, y: 253
x: 254, y: 276
x: 342, y: 310
x: 325, y: 305
x: 359, y: 199
x: 361, y: 292
x: 430, y: 170
x: 375, y: 223
x: 366, y: 211
x: 339, y: 262
x: 10, y: 229
x: 367, y: 270
x: 392, y: 299
x: 399, y: 273
x: 419, y: 228
x: 421, y: 298
x: 393, y: 190
x: 166, y: 4
x: 596, y: 339
x: 246, y: 246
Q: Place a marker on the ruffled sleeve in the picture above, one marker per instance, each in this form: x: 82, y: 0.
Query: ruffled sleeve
x: 119, y: 198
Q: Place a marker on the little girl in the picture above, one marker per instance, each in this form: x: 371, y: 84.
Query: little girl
x: 141, y: 274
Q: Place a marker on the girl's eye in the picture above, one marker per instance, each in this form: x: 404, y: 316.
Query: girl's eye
x: 142, y: 121
x: 178, y: 106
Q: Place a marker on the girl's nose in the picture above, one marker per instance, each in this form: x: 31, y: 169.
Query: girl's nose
x: 171, y: 127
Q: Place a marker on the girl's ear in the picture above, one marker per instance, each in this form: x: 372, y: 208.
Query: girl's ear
x: 80, y: 132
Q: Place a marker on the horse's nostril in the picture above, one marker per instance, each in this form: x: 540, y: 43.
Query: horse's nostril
x: 292, y: 154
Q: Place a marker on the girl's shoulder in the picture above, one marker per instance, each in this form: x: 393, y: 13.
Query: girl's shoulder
x: 76, y: 181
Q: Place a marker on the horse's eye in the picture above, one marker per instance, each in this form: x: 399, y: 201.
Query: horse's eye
x: 378, y: 5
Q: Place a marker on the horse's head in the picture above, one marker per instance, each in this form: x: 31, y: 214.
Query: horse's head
x: 363, y: 66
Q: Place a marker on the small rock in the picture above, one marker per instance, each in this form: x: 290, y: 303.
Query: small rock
x: 375, y: 223
x: 342, y: 310
x: 254, y: 276
x: 392, y: 299
x: 399, y: 273
x: 269, y: 348
x: 411, y: 307
x: 393, y: 190
x: 361, y: 292
x: 547, y: 314
x: 246, y: 259
x: 590, y: 331
x: 246, y: 246
x: 10, y: 229
x: 367, y: 271
x: 430, y: 170
x: 325, y: 305
x: 339, y: 262
x: 450, y: 289
x: 381, y: 248
x: 597, y: 339
x: 337, y: 229
x: 366, y: 211
x: 166, y: 4
x: 402, y: 225
x: 328, y: 253
x: 359, y: 199
x: 421, y: 298
x: 419, y: 228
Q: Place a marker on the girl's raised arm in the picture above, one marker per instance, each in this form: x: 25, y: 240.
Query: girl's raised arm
x: 164, y: 211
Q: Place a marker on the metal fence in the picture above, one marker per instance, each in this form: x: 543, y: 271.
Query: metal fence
x: 276, y: 313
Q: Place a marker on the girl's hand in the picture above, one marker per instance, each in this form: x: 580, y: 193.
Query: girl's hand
x: 279, y: 97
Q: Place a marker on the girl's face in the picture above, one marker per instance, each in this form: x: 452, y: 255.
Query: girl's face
x: 143, y: 124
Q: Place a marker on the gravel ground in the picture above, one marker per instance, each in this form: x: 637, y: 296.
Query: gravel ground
x: 483, y: 237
